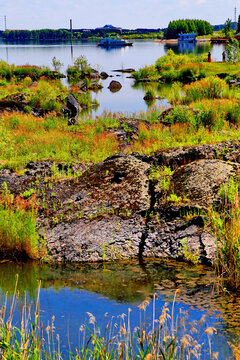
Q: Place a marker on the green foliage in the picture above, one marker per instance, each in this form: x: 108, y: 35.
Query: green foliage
x: 229, y: 191
x: 18, y: 235
x: 233, y: 113
x: 208, y: 88
x: 36, y: 34
x: 190, y: 254
x: 171, y: 67
x: 180, y: 115
x: 200, y: 27
x: 225, y: 225
x: 150, y: 94
x: 173, y: 198
x: 147, y: 72
x: 27, y: 193
x: 81, y: 63
x: 46, y: 97
x: 56, y: 64
x: 232, y: 51
x: 227, y: 28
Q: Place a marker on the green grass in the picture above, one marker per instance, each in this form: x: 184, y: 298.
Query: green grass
x: 18, y: 234
x: 226, y: 226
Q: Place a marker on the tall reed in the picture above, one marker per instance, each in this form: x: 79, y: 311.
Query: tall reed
x: 166, y: 338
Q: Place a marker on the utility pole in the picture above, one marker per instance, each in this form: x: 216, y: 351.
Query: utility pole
x: 5, y: 21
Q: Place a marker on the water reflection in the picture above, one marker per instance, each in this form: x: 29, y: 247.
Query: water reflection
x: 143, y: 52
x: 69, y: 291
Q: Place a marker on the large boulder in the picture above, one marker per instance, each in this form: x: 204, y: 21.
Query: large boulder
x: 107, y: 203
x: 200, y: 180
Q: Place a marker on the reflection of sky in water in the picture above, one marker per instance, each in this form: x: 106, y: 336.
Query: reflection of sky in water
x: 69, y: 293
x: 127, y: 100
x: 70, y: 309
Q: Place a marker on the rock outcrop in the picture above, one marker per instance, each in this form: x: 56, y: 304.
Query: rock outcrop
x: 117, y: 210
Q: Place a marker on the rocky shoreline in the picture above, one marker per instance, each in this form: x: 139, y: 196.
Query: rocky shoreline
x: 118, y: 210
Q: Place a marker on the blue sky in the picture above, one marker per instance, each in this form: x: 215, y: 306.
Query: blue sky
x: 38, y: 14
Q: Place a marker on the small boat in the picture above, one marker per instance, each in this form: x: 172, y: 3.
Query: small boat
x: 111, y: 42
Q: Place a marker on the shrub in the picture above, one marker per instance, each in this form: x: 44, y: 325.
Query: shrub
x: 232, y: 51
x: 147, y: 72
x: 18, y: 235
x: 180, y: 115
x: 208, y: 88
x: 225, y: 224
x: 45, y: 97
x: 81, y: 63
x: 150, y: 94
x: 56, y: 64
x: 176, y: 60
x: 233, y: 113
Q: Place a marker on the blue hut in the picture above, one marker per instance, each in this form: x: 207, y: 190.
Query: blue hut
x: 187, y: 37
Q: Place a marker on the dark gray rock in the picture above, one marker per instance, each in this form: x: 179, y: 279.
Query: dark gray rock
x: 104, y: 75
x: 110, y: 238
x: 73, y: 106
x: 179, y: 239
x: 200, y: 180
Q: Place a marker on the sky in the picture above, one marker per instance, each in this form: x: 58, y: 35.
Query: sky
x: 131, y: 14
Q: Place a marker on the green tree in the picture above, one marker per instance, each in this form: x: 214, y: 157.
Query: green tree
x: 238, y: 25
x: 175, y: 27
x: 81, y: 63
x: 227, y: 28
x: 233, y: 51
x: 56, y: 64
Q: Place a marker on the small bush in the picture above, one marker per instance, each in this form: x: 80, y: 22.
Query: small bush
x: 18, y: 235
x: 208, y: 88
x: 45, y: 96
x: 180, y: 115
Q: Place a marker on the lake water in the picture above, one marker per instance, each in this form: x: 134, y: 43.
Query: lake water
x: 69, y: 292
x: 143, y: 52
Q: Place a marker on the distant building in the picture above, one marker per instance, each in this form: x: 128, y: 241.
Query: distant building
x: 187, y: 37
x: 109, y: 27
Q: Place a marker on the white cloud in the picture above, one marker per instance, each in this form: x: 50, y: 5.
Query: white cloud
x: 184, y: 3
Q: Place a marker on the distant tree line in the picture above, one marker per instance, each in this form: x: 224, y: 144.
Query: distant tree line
x: 36, y: 34
x: 200, y: 27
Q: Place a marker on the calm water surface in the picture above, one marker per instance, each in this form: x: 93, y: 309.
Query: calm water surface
x: 69, y: 292
x: 129, y: 99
